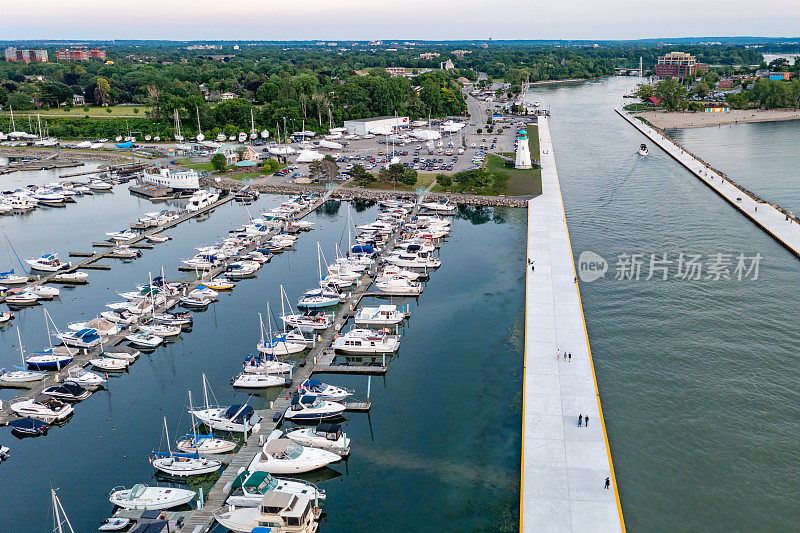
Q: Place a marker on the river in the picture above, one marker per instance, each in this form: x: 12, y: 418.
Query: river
x: 698, y: 379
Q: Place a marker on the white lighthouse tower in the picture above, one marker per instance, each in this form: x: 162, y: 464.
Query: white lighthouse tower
x: 523, y: 151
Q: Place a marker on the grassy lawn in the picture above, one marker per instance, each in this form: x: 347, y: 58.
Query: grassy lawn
x: 637, y: 107
x: 533, y: 142
x: 117, y: 111
x: 197, y: 165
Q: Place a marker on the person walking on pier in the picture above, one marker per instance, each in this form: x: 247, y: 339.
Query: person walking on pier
x: 570, y: 358
x: 580, y: 419
x: 608, y: 483
x: 586, y: 421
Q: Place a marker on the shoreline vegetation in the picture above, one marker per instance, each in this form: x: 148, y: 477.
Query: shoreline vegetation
x: 666, y: 120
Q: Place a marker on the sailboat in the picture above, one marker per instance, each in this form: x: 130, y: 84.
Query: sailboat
x: 327, y: 295
x: 253, y: 133
x: 9, y: 277
x: 307, y: 322
x: 200, y: 135
x: 182, y: 464
x: 235, y: 418
x: 203, y: 444
x: 281, y: 343
x: 51, y: 358
x: 20, y: 376
x: 178, y: 135
x: 59, y: 515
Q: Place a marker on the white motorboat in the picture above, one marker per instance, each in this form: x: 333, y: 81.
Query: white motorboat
x: 161, y: 330
x: 67, y: 392
x: 249, y: 488
x: 71, y: 277
x: 182, y: 320
x: 196, y: 302
x: 126, y: 353
x: 183, y: 180
x: 203, y: 291
x: 99, y: 185
x: 250, y: 380
x: 311, y: 320
x: 366, y: 341
x: 85, y: 378
x: 119, y: 316
x: 325, y: 436
x: 230, y: 418
x: 284, y: 512
x: 201, y: 199
x: 284, y: 456
x: 122, y: 235
x: 48, y: 197
x: 142, y: 497
x: 100, y: 325
x: 444, y: 207
x: 43, y: 407
x: 21, y: 298
x: 123, y: 252
x: 382, y: 315
x: 407, y: 259
x: 182, y: 464
x: 157, y: 238
x: 389, y: 271
x: 84, y: 338
x: 115, y: 523
x: 242, y: 269
x: 643, y: 150
x: 143, y: 339
x: 220, y: 284
x: 314, y: 387
x: 6, y: 316
x: 310, y: 407
x: 399, y: 285
x: 48, y: 263
x: 44, y: 292
x: 136, y: 307
x: 110, y: 364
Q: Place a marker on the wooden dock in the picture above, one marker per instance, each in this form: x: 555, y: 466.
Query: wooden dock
x: 318, y: 360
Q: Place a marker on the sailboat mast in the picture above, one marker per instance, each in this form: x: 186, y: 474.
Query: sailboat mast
x: 13, y: 125
x: 166, y: 432
x: 261, y: 323
x: 199, y: 129
x: 21, y: 351
x: 205, y: 391
x: 39, y: 120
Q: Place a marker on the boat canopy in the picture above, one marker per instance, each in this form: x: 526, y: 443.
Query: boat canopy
x: 28, y: 424
x: 363, y: 249
x: 306, y: 399
x: 250, y: 479
x: 175, y: 454
x: 331, y: 431
x: 237, y: 413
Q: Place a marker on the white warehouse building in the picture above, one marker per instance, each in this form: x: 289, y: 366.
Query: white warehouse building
x: 379, y: 125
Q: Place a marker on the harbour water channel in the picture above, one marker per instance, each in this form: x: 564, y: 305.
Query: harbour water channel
x: 698, y: 378
x: 440, y: 447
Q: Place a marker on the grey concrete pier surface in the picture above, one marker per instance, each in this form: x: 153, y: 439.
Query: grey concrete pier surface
x: 564, y: 466
x: 784, y: 227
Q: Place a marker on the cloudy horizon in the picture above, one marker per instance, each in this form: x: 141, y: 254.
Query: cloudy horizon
x: 409, y: 20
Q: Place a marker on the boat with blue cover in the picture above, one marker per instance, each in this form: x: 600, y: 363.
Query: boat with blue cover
x: 310, y: 407
x: 29, y: 427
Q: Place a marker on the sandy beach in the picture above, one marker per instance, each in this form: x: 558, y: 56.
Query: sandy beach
x: 685, y: 119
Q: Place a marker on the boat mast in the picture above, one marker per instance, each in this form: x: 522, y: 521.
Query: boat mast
x: 166, y: 430
x: 21, y: 352
x: 13, y: 125
x: 205, y: 391
x: 199, y: 129
x: 261, y: 323
x: 58, y: 512
x: 39, y: 120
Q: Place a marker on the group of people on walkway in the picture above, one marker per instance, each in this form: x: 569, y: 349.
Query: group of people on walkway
x: 583, y: 418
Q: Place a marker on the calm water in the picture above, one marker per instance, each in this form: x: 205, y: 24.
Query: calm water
x: 760, y: 156
x: 698, y: 379
x: 445, y: 421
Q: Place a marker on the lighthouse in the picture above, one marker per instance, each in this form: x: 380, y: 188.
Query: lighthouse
x: 523, y: 151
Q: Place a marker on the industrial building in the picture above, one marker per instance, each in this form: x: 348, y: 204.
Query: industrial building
x: 26, y: 56
x: 379, y: 125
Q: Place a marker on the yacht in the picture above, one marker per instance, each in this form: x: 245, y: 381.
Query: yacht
x: 161, y: 330
x: 142, y: 497
x: 382, y: 315
x: 144, y: 339
x: 86, y: 379
x: 68, y: 392
x: 250, y: 380
x: 413, y: 259
x: 309, y: 407
x: 231, y: 418
x: 184, y: 320
x: 242, y: 269
x: 283, y: 343
x: 325, y: 436
x: 265, y: 364
x: 122, y: 235
x: 100, y: 325
x: 71, y: 277
x: 284, y: 512
x: 10, y: 278
x: 48, y: 263
x: 182, y: 464
x: 311, y: 320
x: 201, y: 199
x: 43, y: 407
x: 366, y: 341
x: 284, y: 456
x: 43, y: 292
x: 84, y: 338
x: 21, y: 298
x: 205, y: 444
x: 48, y: 360
x: 249, y: 488
x: 28, y: 427
x: 444, y: 207
x: 399, y: 285
x: 314, y: 387
x: 110, y: 364
x: 177, y: 180
x: 322, y: 297
x: 643, y: 150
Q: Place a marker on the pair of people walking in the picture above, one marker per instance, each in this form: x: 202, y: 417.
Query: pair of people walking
x: 583, y: 420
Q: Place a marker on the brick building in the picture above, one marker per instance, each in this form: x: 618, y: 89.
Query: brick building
x: 26, y: 56
x: 676, y: 65
x: 80, y: 54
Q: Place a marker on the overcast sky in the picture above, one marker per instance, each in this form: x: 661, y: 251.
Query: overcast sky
x: 399, y: 19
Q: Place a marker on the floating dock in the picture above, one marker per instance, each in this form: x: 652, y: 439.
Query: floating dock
x: 564, y: 467
x: 783, y: 226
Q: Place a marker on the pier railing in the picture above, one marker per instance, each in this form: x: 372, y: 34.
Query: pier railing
x: 724, y: 176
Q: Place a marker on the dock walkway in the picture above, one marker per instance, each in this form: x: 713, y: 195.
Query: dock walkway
x: 319, y: 359
x: 564, y: 467
x: 781, y: 225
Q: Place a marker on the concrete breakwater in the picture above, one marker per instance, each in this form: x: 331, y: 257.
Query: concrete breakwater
x: 781, y: 224
x: 44, y: 153
x: 348, y: 193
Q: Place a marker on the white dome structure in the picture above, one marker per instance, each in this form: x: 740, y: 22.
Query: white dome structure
x: 426, y: 135
x: 307, y: 156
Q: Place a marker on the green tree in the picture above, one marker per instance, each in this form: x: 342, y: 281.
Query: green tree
x: 645, y: 91
x: 102, y: 92
x: 444, y: 180
x: 700, y: 89
x: 20, y: 101
x: 270, y: 165
x: 695, y: 106
x: 360, y: 176
x: 671, y: 93
x: 219, y: 162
